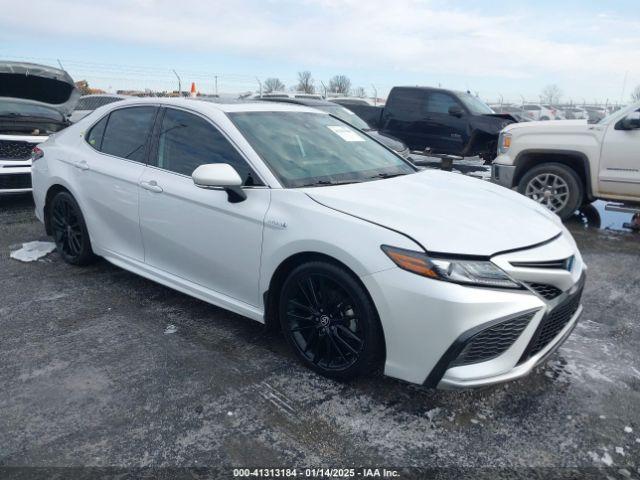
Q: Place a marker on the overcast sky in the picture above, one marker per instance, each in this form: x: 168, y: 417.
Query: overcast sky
x: 496, y: 48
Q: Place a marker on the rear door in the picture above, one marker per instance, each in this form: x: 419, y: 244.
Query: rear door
x: 195, y: 233
x: 620, y: 162
x: 402, y: 117
x: 108, y: 176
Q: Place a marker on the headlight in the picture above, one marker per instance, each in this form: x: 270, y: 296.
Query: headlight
x: 504, y: 142
x: 467, y: 272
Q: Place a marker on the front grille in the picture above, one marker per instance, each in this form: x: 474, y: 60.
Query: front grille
x: 564, y: 264
x: 552, y: 324
x: 493, y: 341
x: 15, y: 150
x: 548, y: 292
x: 15, y: 181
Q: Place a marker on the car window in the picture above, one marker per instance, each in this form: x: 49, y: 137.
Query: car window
x: 187, y: 141
x: 408, y: 101
x: 439, y: 103
x: 531, y: 107
x: 127, y: 132
x: 94, y: 137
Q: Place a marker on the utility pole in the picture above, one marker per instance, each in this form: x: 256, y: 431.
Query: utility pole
x: 375, y: 94
x: 259, y: 85
x: 325, y: 89
x: 216, y: 77
x: 179, y: 83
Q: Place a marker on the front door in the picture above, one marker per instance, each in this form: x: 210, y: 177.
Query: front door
x: 195, y: 233
x: 620, y: 162
x: 443, y: 132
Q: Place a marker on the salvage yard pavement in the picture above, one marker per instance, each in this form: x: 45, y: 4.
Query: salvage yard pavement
x: 102, y: 367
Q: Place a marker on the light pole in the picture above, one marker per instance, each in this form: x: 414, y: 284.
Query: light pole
x: 179, y: 83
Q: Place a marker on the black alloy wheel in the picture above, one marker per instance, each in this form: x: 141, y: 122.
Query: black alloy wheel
x: 329, y: 320
x: 69, y: 230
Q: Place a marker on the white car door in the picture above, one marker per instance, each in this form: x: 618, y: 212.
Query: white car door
x: 108, y: 176
x: 620, y: 162
x: 194, y: 233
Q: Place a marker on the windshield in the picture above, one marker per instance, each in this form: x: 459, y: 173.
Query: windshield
x: 345, y: 115
x: 474, y: 104
x: 22, y: 109
x: 617, y: 113
x: 312, y: 149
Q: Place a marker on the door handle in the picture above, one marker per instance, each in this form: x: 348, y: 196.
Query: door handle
x: 82, y: 165
x: 152, y: 186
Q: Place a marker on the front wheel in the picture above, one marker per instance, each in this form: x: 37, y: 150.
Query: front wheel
x: 70, y: 231
x: 555, y: 186
x: 329, y: 320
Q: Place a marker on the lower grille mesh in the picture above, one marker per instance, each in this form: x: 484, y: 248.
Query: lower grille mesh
x: 549, y: 292
x: 552, y: 324
x: 493, y: 341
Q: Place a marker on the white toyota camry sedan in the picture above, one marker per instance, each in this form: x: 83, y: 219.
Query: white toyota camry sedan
x: 291, y: 217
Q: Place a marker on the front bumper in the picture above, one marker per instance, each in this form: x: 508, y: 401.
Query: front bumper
x: 427, y: 323
x: 15, y: 176
x: 503, y: 174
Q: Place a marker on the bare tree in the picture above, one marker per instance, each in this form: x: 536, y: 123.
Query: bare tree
x: 359, y: 92
x: 635, y: 95
x: 340, y: 84
x: 305, y: 82
x: 551, y: 94
x: 273, y: 85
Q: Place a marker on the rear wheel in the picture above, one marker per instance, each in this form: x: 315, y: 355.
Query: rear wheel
x: 555, y: 186
x: 329, y: 320
x: 70, y: 231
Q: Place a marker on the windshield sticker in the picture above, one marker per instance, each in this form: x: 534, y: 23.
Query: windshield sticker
x: 345, y: 133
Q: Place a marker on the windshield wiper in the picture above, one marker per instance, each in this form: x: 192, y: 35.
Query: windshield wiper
x: 387, y: 175
x: 321, y: 183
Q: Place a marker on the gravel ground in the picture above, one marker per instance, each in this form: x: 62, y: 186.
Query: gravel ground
x: 101, y: 367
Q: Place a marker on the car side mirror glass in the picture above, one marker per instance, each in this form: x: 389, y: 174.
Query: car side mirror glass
x: 456, y: 111
x: 220, y: 175
x: 630, y: 122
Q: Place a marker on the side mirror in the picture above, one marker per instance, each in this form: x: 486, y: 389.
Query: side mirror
x: 630, y: 122
x: 220, y: 175
x: 456, y: 111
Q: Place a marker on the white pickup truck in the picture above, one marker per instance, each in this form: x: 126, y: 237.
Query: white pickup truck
x: 566, y: 164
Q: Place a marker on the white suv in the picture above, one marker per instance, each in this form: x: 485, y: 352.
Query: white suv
x: 563, y: 165
x: 35, y: 101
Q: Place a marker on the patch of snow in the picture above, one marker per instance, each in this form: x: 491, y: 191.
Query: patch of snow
x: 628, y: 429
x: 32, y: 251
x: 620, y: 451
x: 602, y: 417
x: 170, y: 329
x: 606, y: 459
x: 230, y: 414
x: 625, y: 473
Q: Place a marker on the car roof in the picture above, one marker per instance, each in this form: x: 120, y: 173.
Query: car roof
x: 208, y: 106
x: 311, y: 102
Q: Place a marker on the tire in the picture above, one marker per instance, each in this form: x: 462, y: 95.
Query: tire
x: 564, y: 187
x: 70, y: 230
x: 329, y: 321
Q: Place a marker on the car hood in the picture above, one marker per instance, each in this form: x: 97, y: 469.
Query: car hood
x: 39, y: 85
x: 446, y: 212
x: 555, y: 126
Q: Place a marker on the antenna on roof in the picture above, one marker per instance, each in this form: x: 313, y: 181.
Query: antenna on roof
x: 60, y: 63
